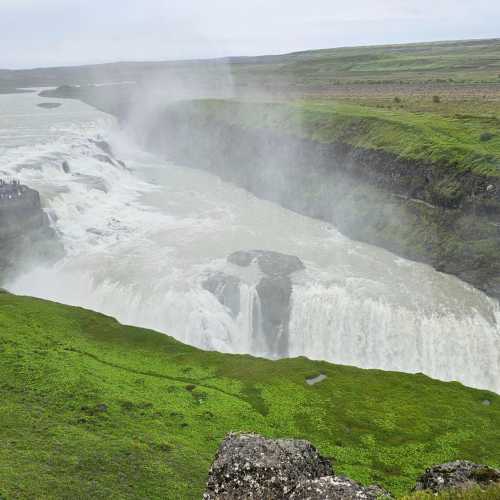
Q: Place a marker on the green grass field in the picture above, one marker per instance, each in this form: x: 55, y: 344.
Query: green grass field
x: 94, y: 409
x: 490, y: 493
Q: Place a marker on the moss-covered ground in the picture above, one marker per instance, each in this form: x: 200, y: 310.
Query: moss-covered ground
x: 490, y: 493
x: 93, y: 409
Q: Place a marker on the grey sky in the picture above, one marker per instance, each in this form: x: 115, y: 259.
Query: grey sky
x: 36, y: 33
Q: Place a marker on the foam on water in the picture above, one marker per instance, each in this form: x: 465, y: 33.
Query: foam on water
x: 141, y: 240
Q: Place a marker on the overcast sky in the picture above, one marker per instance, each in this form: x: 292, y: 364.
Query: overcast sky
x: 36, y: 33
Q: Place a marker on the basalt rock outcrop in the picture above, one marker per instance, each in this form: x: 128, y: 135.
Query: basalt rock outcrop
x: 274, y: 290
x: 25, y: 232
x: 249, y: 466
x: 457, y: 475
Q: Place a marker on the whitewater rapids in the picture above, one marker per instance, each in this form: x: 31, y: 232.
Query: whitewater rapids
x: 140, y: 241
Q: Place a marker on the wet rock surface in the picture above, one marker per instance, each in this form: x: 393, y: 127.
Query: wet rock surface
x: 251, y: 466
x: 270, y: 263
x: 274, y: 291
x: 25, y: 231
x: 227, y: 290
x: 457, y: 475
x: 49, y: 105
x: 103, y: 146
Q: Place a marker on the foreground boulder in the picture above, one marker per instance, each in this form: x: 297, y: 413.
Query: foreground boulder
x: 457, y: 475
x: 249, y: 466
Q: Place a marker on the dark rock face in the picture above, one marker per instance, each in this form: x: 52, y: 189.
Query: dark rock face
x: 25, y: 232
x: 274, y: 291
x: 66, y: 168
x: 227, y: 290
x: 103, y: 146
x: 336, y: 488
x: 250, y: 466
x: 457, y: 475
x: 104, y: 159
x: 49, y: 105
x: 270, y: 263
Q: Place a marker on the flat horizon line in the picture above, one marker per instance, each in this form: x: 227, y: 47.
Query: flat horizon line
x: 258, y: 56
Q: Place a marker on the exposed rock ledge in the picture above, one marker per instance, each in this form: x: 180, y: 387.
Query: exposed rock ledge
x: 249, y: 466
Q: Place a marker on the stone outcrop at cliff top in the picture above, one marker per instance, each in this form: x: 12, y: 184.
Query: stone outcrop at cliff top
x: 250, y: 466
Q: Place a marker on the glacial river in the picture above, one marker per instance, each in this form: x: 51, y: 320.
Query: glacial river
x: 141, y: 240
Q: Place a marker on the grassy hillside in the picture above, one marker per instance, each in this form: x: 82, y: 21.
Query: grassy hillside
x: 465, y: 142
x: 94, y: 409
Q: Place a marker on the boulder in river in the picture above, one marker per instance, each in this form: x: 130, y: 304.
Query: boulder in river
x: 227, y: 290
x: 270, y: 263
x: 103, y: 146
x: 104, y: 159
x: 274, y: 290
x: 271, y: 316
x: 460, y: 474
x: 49, y: 105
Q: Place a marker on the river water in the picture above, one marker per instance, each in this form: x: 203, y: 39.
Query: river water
x: 141, y: 240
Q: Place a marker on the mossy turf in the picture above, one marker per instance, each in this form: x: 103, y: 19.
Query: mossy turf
x: 426, y: 137
x: 94, y: 409
x: 490, y: 493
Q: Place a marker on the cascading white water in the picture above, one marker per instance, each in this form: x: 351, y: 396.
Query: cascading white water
x: 141, y: 241
x: 336, y: 324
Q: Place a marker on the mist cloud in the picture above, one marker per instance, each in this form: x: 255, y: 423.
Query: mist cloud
x: 37, y: 33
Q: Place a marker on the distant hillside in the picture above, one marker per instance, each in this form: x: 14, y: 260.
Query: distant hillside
x: 463, y: 62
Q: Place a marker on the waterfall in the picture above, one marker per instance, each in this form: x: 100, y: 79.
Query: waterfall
x: 330, y: 323
x: 140, y: 241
